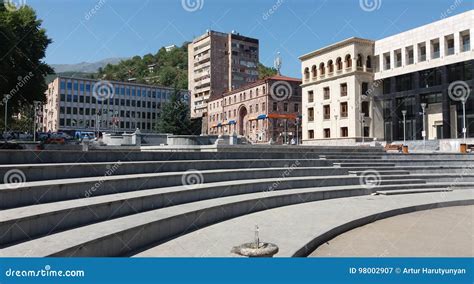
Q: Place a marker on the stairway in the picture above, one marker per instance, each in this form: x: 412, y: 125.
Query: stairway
x: 117, y: 203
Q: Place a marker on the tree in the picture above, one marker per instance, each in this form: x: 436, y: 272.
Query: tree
x: 175, y: 118
x: 23, y: 44
x: 265, y: 72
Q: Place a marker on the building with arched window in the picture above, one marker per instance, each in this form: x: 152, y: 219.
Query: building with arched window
x: 335, y: 108
x: 265, y: 111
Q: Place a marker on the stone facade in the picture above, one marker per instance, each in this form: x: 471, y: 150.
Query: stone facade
x: 335, y: 81
x: 219, y: 62
x: 262, y: 112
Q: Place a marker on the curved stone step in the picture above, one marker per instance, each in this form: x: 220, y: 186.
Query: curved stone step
x: 299, y: 229
x: 38, y: 172
x: 23, y: 223
x: 125, y: 235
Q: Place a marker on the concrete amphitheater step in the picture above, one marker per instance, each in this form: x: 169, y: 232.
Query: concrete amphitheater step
x: 35, y: 157
x: 48, y: 191
x: 412, y: 191
x: 18, y: 223
x: 384, y: 172
x: 297, y: 229
x: 122, y: 236
x: 38, y: 172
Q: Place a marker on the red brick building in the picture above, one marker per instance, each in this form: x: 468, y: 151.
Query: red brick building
x: 264, y: 111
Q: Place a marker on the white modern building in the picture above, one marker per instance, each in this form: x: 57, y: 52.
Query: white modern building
x: 416, y: 69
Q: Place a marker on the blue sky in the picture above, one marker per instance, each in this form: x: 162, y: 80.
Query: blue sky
x: 91, y: 30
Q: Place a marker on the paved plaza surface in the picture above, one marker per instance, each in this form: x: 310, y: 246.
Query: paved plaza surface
x: 292, y: 227
x: 443, y: 232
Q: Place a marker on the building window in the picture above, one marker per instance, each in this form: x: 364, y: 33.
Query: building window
x: 330, y: 66
x: 263, y: 107
x: 449, y: 44
x: 311, y: 134
x: 310, y: 114
x: 327, y: 111
x: 296, y: 108
x: 256, y: 108
x: 398, y: 58
x: 339, y: 64
x: 386, y: 58
x: 368, y: 63
x: 465, y: 41
x: 344, y: 132
x: 275, y: 106
x: 322, y: 70
x: 435, y: 49
x: 364, y: 89
x: 327, y: 93
x: 359, y: 61
x: 314, y: 71
x: 421, y: 52
x: 344, y: 109
x: 306, y: 74
x: 365, y: 109
x: 327, y: 133
x: 409, y: 55
x: 343, y: 90
x: 348, y: 61
x: 285, y: 107
x: 310, y: 96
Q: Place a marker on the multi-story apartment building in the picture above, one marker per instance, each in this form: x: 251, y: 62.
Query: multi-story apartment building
x: 217, y: 63
x: 75, y: 104
x: 335, y: 81
x: 417, y: 67
x: 415, y: 76
x: 264, y: 111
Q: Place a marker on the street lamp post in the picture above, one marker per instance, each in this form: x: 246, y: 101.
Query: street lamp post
x: 335, y: 118
x: 36, y: 104
x: 362, y: 115
x: 404, y: 113
x: 464, y: 130
x: 423, y: 107
x: 5, y: 99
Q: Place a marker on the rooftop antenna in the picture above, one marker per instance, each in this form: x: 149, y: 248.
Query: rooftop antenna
x: 277, y: 63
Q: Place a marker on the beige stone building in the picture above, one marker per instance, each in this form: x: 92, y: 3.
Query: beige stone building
x: 264, y: 111
x: 217, y: 63
x: 336, y: 81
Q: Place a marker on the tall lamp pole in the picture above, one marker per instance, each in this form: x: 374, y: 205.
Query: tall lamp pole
x: 464, y: 130
x: 5, y: 99
x: 404, y: 113
x: 36, y: 104
x: 423, y: 107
